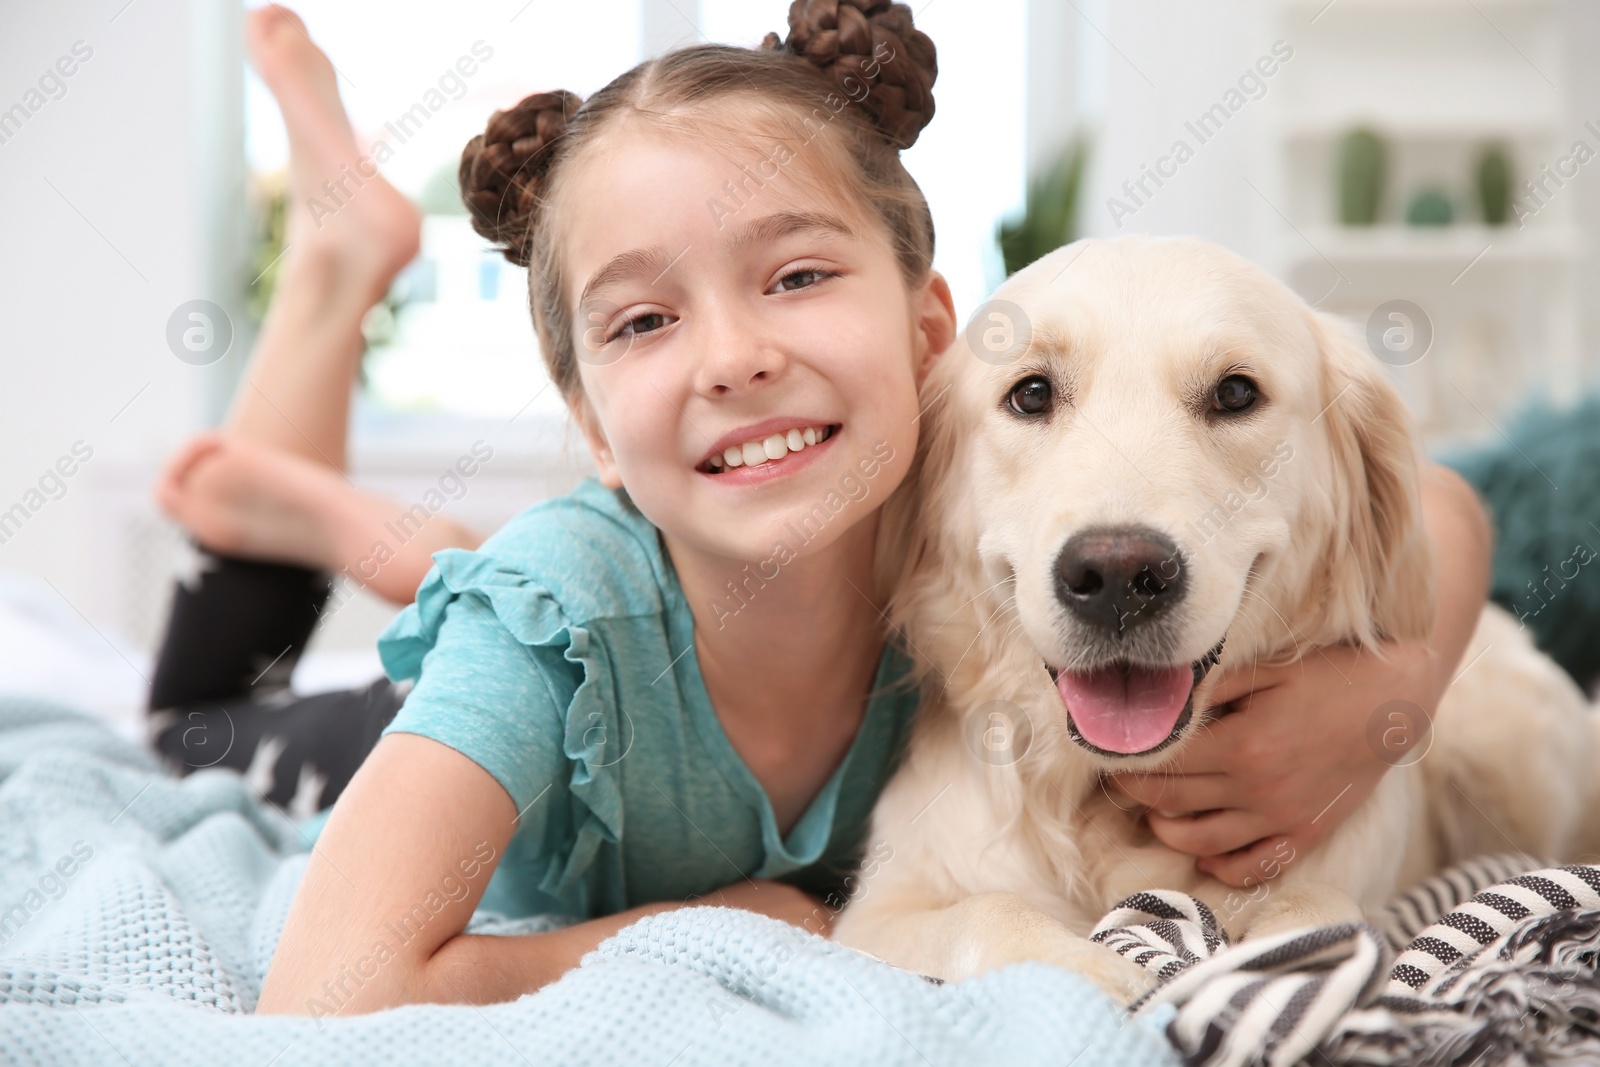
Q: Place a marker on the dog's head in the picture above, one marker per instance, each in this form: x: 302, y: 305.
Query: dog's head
x: 1166, y: 454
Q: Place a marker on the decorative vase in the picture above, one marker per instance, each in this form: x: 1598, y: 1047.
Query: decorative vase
x: 1494, y: 185
x: 1430, y: 207
x: 1362, y: 161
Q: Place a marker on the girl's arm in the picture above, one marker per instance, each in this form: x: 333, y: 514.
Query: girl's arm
x: 486, y: 969
x: 396, y: 873
x: 1294, y: 760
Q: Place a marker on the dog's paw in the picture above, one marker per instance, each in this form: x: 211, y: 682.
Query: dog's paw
x: 1120, y: 978
x: 1302, y: 906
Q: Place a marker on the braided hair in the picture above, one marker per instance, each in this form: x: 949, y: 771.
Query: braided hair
x: 856, y: 42
x: 859, y: 66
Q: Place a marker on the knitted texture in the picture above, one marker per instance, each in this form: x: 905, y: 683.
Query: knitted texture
x: 1541, y: 483
x: 139, y: 913
x: 153, y: 949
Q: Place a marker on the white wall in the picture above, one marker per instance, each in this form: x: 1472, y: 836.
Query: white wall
x: 117, y: 204
x: 1052, y: 107
x: 1164, y: 62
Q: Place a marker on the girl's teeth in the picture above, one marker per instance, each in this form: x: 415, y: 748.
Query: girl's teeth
x: 778, y: 445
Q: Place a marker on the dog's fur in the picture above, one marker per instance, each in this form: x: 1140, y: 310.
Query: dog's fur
x: 987, y: 862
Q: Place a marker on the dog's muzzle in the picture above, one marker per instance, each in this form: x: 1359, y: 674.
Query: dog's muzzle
x: 1125, y: 709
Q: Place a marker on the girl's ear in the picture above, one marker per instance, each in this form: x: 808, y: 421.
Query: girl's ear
x: 583, y: 414
x: 1380, y: 560
x: 936, y: 323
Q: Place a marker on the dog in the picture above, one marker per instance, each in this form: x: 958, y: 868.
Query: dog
x: 1146, y: 456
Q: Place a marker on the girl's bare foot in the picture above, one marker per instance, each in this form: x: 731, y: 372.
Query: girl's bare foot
x: 338, y: 201
x: 243, y: 499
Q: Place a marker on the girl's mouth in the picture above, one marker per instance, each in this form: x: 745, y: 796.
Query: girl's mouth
x: 771, y: 450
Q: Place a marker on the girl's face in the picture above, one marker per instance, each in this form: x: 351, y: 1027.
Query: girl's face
x: 721, y: 311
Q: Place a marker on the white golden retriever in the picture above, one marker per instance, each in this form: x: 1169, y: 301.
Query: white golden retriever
x: 1183, y: 461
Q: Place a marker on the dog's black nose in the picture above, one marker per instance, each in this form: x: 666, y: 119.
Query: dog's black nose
x: 1117, y: 577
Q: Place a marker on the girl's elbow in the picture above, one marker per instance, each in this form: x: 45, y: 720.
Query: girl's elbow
x: 459, y: 972
x: 1464, y: 502
x: 364, y: 982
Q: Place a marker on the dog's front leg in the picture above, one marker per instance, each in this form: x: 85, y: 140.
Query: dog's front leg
x: 979, y: 934
x: 1299, y: 905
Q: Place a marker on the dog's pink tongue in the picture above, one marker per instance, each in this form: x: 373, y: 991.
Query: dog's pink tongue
x: 1126, y: 709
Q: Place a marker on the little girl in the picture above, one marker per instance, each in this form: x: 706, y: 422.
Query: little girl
x: 615, y: 709
x: 672, y: 685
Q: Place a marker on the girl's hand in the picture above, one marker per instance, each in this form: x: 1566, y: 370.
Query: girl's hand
x: 485, y: 969
x: 1293, y: 758
x: 776, y: 899
x: 1288, y: 762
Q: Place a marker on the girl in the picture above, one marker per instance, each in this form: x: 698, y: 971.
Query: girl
x: 673, y: 684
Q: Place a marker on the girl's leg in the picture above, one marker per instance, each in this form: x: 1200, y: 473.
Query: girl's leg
x: 299, y: 755
x: 296, y: 394
x: 220, y: 696
x: 270, y: 485
x: 251, y: 501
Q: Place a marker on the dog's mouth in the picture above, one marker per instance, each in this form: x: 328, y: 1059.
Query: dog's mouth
x: 1127, y: 709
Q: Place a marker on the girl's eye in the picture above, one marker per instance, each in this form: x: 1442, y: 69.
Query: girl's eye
x: 1235, y: 394
x: 1031, y: 396
x: 804, y: 279
x: 648, y: 322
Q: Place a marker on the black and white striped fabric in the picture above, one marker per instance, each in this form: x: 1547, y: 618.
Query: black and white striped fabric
x: 1491, y: 969
x: 1161, y: 931
x: 1423, y: 905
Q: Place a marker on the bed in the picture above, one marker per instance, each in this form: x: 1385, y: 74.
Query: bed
x: 139, y: 912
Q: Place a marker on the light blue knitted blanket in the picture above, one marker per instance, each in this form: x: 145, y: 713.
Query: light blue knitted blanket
x: 138, y: 913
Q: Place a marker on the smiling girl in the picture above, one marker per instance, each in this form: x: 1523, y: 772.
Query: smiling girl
x: 673, y: 684
x: 614, y: 711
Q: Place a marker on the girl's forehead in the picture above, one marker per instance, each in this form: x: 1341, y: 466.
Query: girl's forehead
x: 642, y: 187
x: 640, y: 167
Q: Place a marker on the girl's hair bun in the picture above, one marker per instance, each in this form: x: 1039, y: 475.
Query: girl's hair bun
x: 503, y: 168
x: 881, y: 62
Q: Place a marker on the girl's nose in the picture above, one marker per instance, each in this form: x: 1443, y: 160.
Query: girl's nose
x: 737, y: 357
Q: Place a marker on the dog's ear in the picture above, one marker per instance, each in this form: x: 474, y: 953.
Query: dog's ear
x: 1379, y: 559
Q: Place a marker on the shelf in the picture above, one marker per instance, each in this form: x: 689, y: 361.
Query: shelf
x: 1445, y: 244
x: 1371, y: 7
x: 1438, y: 81
x: 1413, y: 128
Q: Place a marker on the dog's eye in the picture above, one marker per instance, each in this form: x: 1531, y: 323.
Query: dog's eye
x: 1031, y: 396
x: 1234, y: 394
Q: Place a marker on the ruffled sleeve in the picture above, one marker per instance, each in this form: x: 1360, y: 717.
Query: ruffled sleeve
x: 506, y: 678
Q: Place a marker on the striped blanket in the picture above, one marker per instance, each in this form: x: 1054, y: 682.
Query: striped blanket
x: 1497, y: 963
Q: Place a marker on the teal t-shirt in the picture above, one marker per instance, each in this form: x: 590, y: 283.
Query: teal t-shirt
x: 559, y: 656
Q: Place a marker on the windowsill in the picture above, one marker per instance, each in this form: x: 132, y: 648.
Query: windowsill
x: 383, y: 440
